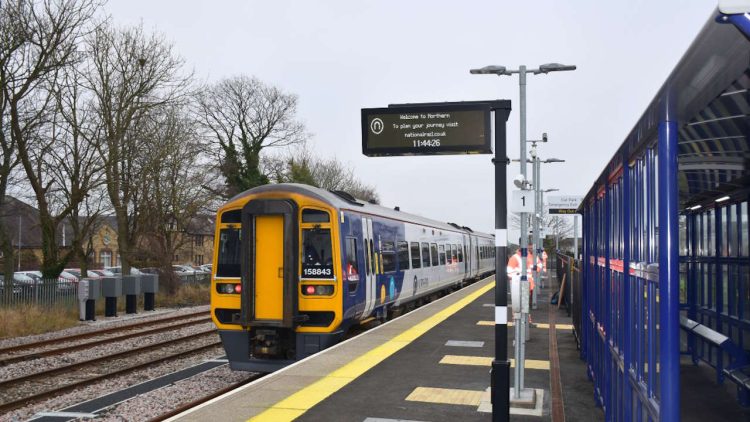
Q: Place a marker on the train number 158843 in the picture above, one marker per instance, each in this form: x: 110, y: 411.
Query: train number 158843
x: 317, y: 272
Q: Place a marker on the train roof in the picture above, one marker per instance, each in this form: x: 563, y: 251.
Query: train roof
x: 344, y: 201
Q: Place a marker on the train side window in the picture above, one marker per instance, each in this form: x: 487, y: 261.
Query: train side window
x: 478, y: 255
x: 454, y: 253
x: 367, y: 258
x: 460, y: 254
x: 373, y: 262
x: 481, y: 252
x: 441, y: 252
x: 434, y: 254
x: 352, y: 264
x: 448, y: 259
x: 403, y: 255
x: 416, y: 261
x: 315, y: 216
x: 388, y: 252
x: 425, y: 254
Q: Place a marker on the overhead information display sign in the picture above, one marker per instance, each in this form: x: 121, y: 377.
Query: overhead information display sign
x: 426, y: 130
x: 563, y: 204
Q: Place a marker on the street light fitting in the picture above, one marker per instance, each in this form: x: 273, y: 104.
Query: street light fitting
x: 553, y: 160
x: 555, y: 67
x: 490, y: 70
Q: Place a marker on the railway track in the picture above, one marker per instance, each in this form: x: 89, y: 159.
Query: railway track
x: 187, y: 406
x: 21, y: 391
x: 12, y: 350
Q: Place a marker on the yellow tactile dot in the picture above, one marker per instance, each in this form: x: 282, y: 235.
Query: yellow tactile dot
x: 446, y: 396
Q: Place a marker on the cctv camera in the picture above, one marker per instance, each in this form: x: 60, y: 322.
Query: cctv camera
x: 519, y: 181
x: 544, y: 137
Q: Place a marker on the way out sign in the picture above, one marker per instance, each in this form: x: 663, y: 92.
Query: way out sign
x: 522, y: 201
x: 426, y: 129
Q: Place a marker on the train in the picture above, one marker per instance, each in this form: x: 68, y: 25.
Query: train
x: 295, y: 267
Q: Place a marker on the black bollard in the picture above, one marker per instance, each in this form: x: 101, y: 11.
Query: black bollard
x: 149, y: 301
x: 90, y: 310
x: 130, y: 304
x: 110, y: 306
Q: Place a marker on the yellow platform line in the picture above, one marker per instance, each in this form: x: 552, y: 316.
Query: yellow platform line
x: 300, y: 402
x: 535, y: 325
x: 487, y: 361
x: 446, y: 396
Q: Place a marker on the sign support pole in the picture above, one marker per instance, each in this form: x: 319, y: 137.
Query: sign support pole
x: 500, y: 374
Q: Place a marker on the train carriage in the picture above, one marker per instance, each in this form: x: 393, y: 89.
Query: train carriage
x: 296, y: 266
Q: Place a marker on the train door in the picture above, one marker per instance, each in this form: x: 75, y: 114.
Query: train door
x: 269, y: 267
x: 269, y: 250
x: 370, y: 266
x: 465, y: 256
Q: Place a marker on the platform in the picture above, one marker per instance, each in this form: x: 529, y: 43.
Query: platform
x: 431, y: 364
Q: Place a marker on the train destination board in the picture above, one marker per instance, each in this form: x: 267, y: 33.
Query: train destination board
x: 426, y: 130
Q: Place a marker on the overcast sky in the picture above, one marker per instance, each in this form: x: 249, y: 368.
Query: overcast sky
x: 341, y: 56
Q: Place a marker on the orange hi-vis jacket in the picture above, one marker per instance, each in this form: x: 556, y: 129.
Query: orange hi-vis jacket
x: 514, y: 267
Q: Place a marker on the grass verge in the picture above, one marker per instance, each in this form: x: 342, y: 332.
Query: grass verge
x: 25, y: 320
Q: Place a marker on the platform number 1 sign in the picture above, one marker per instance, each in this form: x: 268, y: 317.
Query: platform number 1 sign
x: 522, y: 201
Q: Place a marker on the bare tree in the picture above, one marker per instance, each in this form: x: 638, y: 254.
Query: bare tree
x: 242, y: 116
x: 301, y: 166
x: 131, y: 73
x: 173, y: 197
x: 44, y: 40
x: 78, y: 169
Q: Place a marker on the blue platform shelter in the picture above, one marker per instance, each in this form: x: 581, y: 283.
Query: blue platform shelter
x: 666, y: 255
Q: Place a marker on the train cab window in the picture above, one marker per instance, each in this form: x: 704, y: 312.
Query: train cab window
x: 228, y: 262
x: 315, y: 216
x: 317, y: 257
x: 388, y: 251
x: 441, y: 253
x: 460, y: 254
x: 352, y: 265
x: 416, y: 261
x: 434, y: 254
x: 233, y: 216
x: 403, y: 255
x: 425, y: 254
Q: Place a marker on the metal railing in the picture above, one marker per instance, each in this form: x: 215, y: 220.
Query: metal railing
x: 569, y: 269
x: 53, y: 292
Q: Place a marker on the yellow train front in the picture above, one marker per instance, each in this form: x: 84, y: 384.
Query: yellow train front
x: 296, y: 266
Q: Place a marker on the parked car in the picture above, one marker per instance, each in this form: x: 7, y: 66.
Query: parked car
x: 16, y: 288
x: 207, y: 268
x: 103, y: 273
x: 118, y: 270
x: 77, y: 273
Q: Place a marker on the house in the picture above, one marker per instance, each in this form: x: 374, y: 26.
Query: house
x: 22, y: 222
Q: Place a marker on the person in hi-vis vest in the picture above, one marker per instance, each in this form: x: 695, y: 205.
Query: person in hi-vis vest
x: 514, y: 267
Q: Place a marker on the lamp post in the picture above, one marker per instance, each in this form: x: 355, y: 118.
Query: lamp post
x: 538, y: 209
x: 522, y: 318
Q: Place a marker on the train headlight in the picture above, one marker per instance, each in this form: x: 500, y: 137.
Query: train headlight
x: 319, y: 290
x: 228, y: 288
